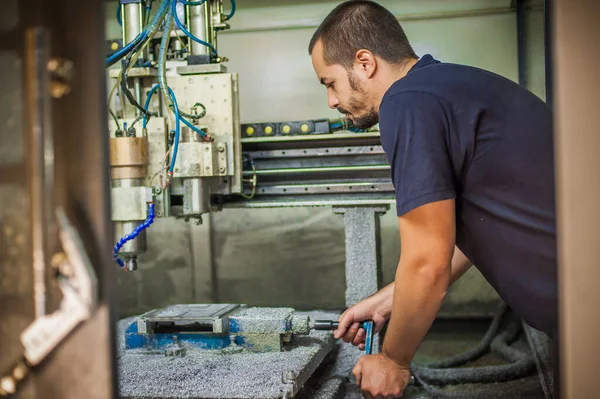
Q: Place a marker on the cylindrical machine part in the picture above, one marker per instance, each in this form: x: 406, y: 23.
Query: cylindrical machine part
x: 133, y: 247
x: 128, y: 157
x: 196, y: 197
x: 128, y: 161
x: 133, y: 20
x: 200, y: 23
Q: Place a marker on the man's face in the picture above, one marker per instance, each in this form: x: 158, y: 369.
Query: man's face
x: 346, y: 90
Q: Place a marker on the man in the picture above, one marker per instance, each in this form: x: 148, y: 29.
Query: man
x: 471, y: 157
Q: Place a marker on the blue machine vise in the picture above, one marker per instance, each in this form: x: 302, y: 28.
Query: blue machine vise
x: 215, y: 326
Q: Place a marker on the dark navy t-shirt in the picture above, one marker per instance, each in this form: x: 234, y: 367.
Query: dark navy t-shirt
x: 457, y: 132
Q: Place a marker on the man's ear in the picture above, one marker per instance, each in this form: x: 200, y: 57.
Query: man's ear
x: 365, y: 62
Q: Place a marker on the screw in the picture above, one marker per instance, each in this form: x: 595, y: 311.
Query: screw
x: 221, y: 148
x: 206, y: 149
x: 288, y: 377
x: 61, y: 74
x: 222, y: 169
x: 8, y: 385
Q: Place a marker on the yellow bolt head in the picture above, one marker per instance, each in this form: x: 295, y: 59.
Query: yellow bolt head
x: 304, y: 128
x: 249, y: 130
x: 268, y: 130
x: 286, y: 129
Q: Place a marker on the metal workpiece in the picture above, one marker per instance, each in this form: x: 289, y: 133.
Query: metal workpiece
x: 206, y: 317
x: 128, y: 157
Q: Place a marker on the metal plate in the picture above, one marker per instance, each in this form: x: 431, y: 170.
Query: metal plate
x: 201, y: 68
x: 191, y: 312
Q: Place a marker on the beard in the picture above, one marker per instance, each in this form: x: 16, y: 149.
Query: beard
x: 365, y: 119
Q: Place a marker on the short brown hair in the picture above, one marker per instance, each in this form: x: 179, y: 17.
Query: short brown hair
x: 361, y: 24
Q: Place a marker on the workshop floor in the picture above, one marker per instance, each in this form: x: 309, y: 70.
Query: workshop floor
x: 448, y: 338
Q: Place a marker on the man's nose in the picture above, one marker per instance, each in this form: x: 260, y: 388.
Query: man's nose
x: 333, y: 101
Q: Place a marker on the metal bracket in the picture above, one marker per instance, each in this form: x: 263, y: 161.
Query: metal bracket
x: 78, y: 285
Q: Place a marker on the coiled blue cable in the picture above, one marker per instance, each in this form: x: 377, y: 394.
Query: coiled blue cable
x: 149, y: 220
x: 187, y: 32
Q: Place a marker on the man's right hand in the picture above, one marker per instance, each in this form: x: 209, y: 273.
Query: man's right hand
x: 377, y: 307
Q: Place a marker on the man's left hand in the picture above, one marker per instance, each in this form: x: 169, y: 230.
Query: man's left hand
x: 380, y: 377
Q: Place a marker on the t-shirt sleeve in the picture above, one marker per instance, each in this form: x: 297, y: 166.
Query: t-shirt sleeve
x: 414, y: 136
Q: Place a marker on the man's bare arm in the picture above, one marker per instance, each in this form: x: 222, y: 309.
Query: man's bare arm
x: 422, y: 278
x: 460, y: 264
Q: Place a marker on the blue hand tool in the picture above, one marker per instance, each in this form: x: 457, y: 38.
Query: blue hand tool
x: 329, y: 325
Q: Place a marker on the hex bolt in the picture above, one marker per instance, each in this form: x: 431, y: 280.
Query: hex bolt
x: 61, y: 75
x: 288, y: 377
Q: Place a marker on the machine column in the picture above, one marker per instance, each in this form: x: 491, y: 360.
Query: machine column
x: 363, y: 252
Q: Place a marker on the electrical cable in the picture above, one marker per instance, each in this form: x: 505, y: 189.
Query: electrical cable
x: 149, y: 220
x: 125, y: 88
x: 188, y: 33
x: 252, y: 180
x: 448, y: 371
x: 232, y: 12
x: 110, y: 111
x: 177, y: 132
x: 119, y: 15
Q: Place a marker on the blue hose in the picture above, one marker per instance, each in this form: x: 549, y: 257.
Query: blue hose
x: 187, y: 32
x: 194, y: 128
x: 232, y: 10
x: 147, y: 104
x: 119, y: 15
x: 149, y: 220
x: 141, y: 37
